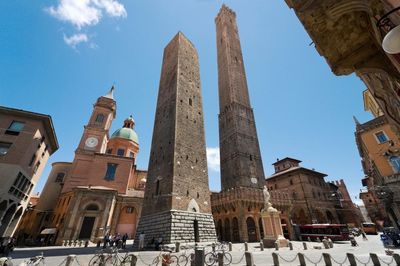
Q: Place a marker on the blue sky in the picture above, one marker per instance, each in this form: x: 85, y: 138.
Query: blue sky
x: 56, y: 62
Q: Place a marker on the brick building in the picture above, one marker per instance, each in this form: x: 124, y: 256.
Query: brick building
x: 177, y: 205
x: 27, y: 140
x: 311, y: 196
x: 100, y: 190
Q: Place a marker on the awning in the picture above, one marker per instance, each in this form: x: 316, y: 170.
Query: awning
x: 49, y: 231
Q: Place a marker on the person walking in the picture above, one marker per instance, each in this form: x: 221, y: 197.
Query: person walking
x: 106, y: 240
x: 141, y: 241
x: 124, y: 238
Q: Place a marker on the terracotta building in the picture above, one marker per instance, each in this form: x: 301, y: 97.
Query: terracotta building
x: 311, y: 196
x: 347, y: 34
x: 236, y: 209
x: 177, y: 198
x: 27, y: 140
x: 379, y: 148
x: 101, y: 190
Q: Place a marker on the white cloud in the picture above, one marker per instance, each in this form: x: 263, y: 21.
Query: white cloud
x: 83, y: 13
x: 213, y: 158
x: 75, y: 39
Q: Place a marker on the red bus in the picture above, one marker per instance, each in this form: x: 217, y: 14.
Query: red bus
x: 336, y: 232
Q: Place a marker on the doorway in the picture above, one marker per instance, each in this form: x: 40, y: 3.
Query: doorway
x: 251, y: 229
x: 87, y: 227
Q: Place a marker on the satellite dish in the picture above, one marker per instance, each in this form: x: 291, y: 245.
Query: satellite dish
x: 391, y: 42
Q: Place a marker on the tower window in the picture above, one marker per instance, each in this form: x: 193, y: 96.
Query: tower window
x: 158, y: 187
x: 120, y: 152
x: 15, y: 128
x: 111, y: 169
x: 381, y: 137
x: 131, y: 154
x: 129, y: 209
x: 251, y: 157
x: 109, y: 151
x: 60, y: 178
x: 99, y: 119
x: 190, y: 101
x: 4, y: 147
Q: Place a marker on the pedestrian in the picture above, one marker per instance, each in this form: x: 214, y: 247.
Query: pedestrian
x: 106, y: 240
x: 364, y: 236
x: 124, y: 238
x: 141, y: 240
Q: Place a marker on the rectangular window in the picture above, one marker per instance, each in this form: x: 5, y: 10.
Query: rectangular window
x: 381, y: 137
x: 109, y: 151
x: 60, y: 178
x: 395, y: 161
x: 4, y: 147
x: 36, y: 167
x: 32, y: 159
x: 15, y: 128
x: 120, y: 152
x: 111, y: 169
x: 131, y: 154
x: 129, y: 209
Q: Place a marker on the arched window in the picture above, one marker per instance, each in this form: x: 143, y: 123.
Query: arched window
x: 158, y: 187
x: 60, y: 177
x: 99, y: 118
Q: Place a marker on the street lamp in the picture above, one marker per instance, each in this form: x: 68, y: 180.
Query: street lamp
x: 391, y: 41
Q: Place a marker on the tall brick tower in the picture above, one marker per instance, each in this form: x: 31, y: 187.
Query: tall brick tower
x: 177, y: 198
x: 236, y: 209
x: 241, y: 164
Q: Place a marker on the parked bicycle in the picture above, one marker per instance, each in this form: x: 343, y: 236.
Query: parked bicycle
x: 34, y: 261
x: 211, y: 258
x: 102, y: 258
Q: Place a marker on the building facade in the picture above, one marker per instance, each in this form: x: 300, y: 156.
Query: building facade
x: 346, y: 33
x: 379, y: 148
x: 100, y: 191
x: 311, y: 196
x: 177, y: 198
x: 27, y: 140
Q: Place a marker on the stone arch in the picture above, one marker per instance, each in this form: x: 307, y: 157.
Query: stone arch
x: 6, y: 219
x: 330, y: 217
x: 14, y: 222
x: 319, y: 216
x: 300, y: 217
x: 92, y: 207
x: 193, y: 206
x: 227, y: 231
x: 91, y: 203
x: 235, y: 230
x: 251, y: 229
x: 3, y: 208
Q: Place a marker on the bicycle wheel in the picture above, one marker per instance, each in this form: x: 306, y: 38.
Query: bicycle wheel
x: 96, y: 260
x: 173, y: 260
x: 183, y: 260
x: 210, y: 258
x: 227, y: 258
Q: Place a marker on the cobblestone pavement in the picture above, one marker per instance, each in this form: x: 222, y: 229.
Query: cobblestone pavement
x: 57, y: 255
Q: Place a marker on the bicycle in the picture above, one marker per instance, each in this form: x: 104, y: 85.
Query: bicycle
x: 102, y: 258
x: 120, y: 260
x: 211, y: 258
x: 168, y: 259
x: 34, y: 261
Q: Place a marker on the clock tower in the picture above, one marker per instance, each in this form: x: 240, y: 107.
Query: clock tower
x: 95, y: 135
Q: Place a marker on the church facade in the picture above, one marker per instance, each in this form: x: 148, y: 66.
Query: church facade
x: 100, y: 191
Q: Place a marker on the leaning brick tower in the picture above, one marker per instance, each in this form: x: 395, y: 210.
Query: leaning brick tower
x: 177, y: 198
x: 241, y: 164
x: 236, y: 208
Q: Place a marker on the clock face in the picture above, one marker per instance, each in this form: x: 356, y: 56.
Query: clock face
x: 91, y: 142
x: 254, y: 180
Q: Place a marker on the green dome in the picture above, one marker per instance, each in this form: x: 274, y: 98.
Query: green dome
x: 126, y: 133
